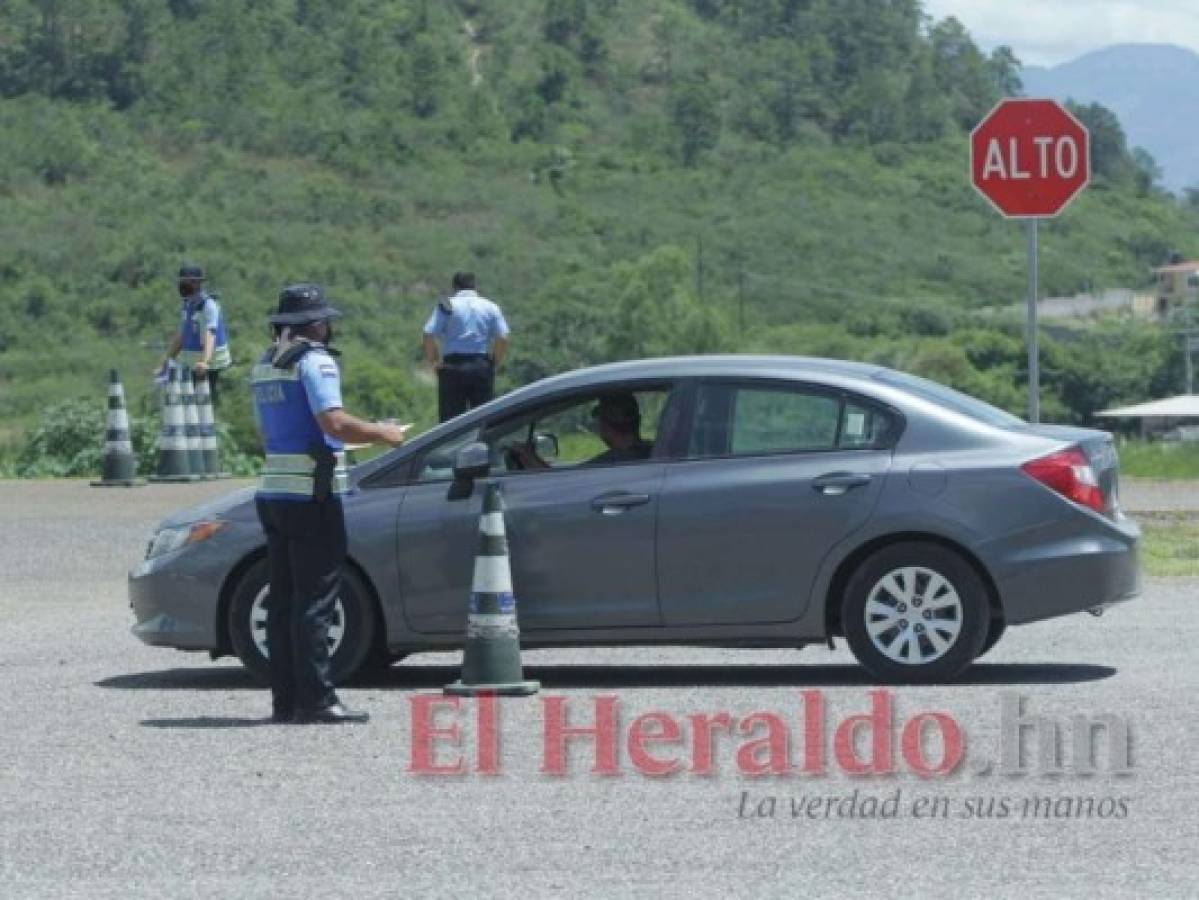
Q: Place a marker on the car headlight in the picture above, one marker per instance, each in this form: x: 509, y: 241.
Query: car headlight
x: 168, y: 540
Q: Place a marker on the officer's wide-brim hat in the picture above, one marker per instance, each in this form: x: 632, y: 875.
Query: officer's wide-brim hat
x: 300, y: 304
x: 191, y: 272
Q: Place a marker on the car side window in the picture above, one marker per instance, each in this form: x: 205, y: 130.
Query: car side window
x: 864, y: 427
x: 437, y: 462
x: 770, y: 421
x: 605, y: 427
x: 749, y: 420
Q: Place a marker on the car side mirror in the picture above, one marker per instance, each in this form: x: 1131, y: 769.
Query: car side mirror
x: 471, y: 462
x: 546, y: 445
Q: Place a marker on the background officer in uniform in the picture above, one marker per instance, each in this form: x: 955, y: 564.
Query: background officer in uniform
x: 297, y: 402
x: 201, y: 339
x: 474, y: 338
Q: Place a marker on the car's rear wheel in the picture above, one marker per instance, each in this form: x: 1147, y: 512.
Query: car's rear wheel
x: 915, y: 612
x: 351, y: 629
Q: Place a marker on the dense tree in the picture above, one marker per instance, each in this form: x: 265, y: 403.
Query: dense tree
x: 695, y: 115
x: 964, y: 75
x: 1146, y: 171
x: 1005, y: 72
x: 656, y: 312
x: 1109, y: 148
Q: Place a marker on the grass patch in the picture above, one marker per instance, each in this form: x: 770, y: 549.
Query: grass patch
x: 1157, y: 459
x: 1170, y: 545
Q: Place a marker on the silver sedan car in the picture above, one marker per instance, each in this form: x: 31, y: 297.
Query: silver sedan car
x: 759, y: 502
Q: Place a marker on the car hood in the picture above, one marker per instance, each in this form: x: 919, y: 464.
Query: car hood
x: 237, y: 504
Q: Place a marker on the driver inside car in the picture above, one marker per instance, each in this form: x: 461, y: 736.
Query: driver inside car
x: 617, y: 420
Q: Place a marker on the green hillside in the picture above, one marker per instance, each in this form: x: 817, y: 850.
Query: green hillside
x: 627, y: 177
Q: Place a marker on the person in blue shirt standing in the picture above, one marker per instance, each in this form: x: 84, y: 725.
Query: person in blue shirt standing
x: 474, y: 339
x: 296, y: 388
x: 202, y: 339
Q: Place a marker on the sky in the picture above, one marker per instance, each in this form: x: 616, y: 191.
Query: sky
x: 1049, y: 32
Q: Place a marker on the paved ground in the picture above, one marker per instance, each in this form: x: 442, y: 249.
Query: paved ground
x: 1153, y: 495
x: 132, y: 772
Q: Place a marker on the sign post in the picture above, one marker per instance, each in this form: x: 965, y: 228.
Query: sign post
x: 1030, y: 158
x: 1034, y: 352
x: 1192, y: 346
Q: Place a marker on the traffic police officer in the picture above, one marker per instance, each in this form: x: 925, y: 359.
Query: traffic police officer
x: 201, y: 339
x: 474, y: 338
x: 297, y: 402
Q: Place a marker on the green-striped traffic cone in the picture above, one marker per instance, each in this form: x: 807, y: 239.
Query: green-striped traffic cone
x: 491, y: 661
x: 208, y: 440
x: 173, y: 462
x: 191, y: 425
x: 119, y: 466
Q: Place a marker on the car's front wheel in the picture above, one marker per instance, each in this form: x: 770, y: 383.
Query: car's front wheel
x: 351, y: 628
x: 915, y: 612
x: 994, y: 632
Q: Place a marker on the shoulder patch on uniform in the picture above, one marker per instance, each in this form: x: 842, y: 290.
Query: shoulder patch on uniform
x: 328, y: 370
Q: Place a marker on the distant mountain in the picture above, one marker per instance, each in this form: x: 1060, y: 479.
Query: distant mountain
x: 1151, y: 87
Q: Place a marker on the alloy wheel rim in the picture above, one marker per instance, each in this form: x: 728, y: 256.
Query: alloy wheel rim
x: 913, y: 615
x: 258, y: 613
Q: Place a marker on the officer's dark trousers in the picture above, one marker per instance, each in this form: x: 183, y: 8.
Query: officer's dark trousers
x: 464, y: 382
x: 306, y: 544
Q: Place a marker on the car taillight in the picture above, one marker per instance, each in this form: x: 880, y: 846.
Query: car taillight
x: 1069, y: 473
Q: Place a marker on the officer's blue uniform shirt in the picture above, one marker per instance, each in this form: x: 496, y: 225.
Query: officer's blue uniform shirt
x: 198, y: 315
x: 471, y: 326
x: 286, y: 404
x: 322, y: 383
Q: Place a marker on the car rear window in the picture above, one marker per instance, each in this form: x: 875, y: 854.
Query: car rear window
x: 950, y: 399
x: 751, y: 420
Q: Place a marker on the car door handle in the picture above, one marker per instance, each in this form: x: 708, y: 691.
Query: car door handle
x: 836, y: 483
x: 617, y: 502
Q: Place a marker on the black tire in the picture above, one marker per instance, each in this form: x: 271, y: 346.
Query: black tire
x: 358, y: 640
x: 995, y: 631
x: 972, y: 607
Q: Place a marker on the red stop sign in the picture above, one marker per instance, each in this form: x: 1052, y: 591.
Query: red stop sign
x: 1029, y: 157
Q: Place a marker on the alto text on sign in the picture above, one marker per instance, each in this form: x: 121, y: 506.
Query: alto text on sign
x: 1029, y: 158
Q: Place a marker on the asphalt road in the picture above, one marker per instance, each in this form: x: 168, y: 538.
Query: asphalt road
x: 132, y: 772
x: 1159, y: 495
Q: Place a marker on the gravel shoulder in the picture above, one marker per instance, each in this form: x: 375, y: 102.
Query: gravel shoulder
x: 1140, y: 495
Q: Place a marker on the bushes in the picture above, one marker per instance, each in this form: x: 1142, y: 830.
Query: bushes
x: 1143, y: 459
x: 68, y: 442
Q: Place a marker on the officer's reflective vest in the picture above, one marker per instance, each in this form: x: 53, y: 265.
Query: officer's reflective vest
x: 191, y: 334
x: 296, y: 448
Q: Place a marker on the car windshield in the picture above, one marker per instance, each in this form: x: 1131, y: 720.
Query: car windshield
x: 951, y: 399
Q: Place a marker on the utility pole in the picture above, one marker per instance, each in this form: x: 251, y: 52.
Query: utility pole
x: 1186, y: 355
x: 1190, y: 343
x: 1184, y: 318
x: 699, y: 266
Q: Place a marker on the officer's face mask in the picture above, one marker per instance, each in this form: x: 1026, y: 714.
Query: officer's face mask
x: 187, y: 288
